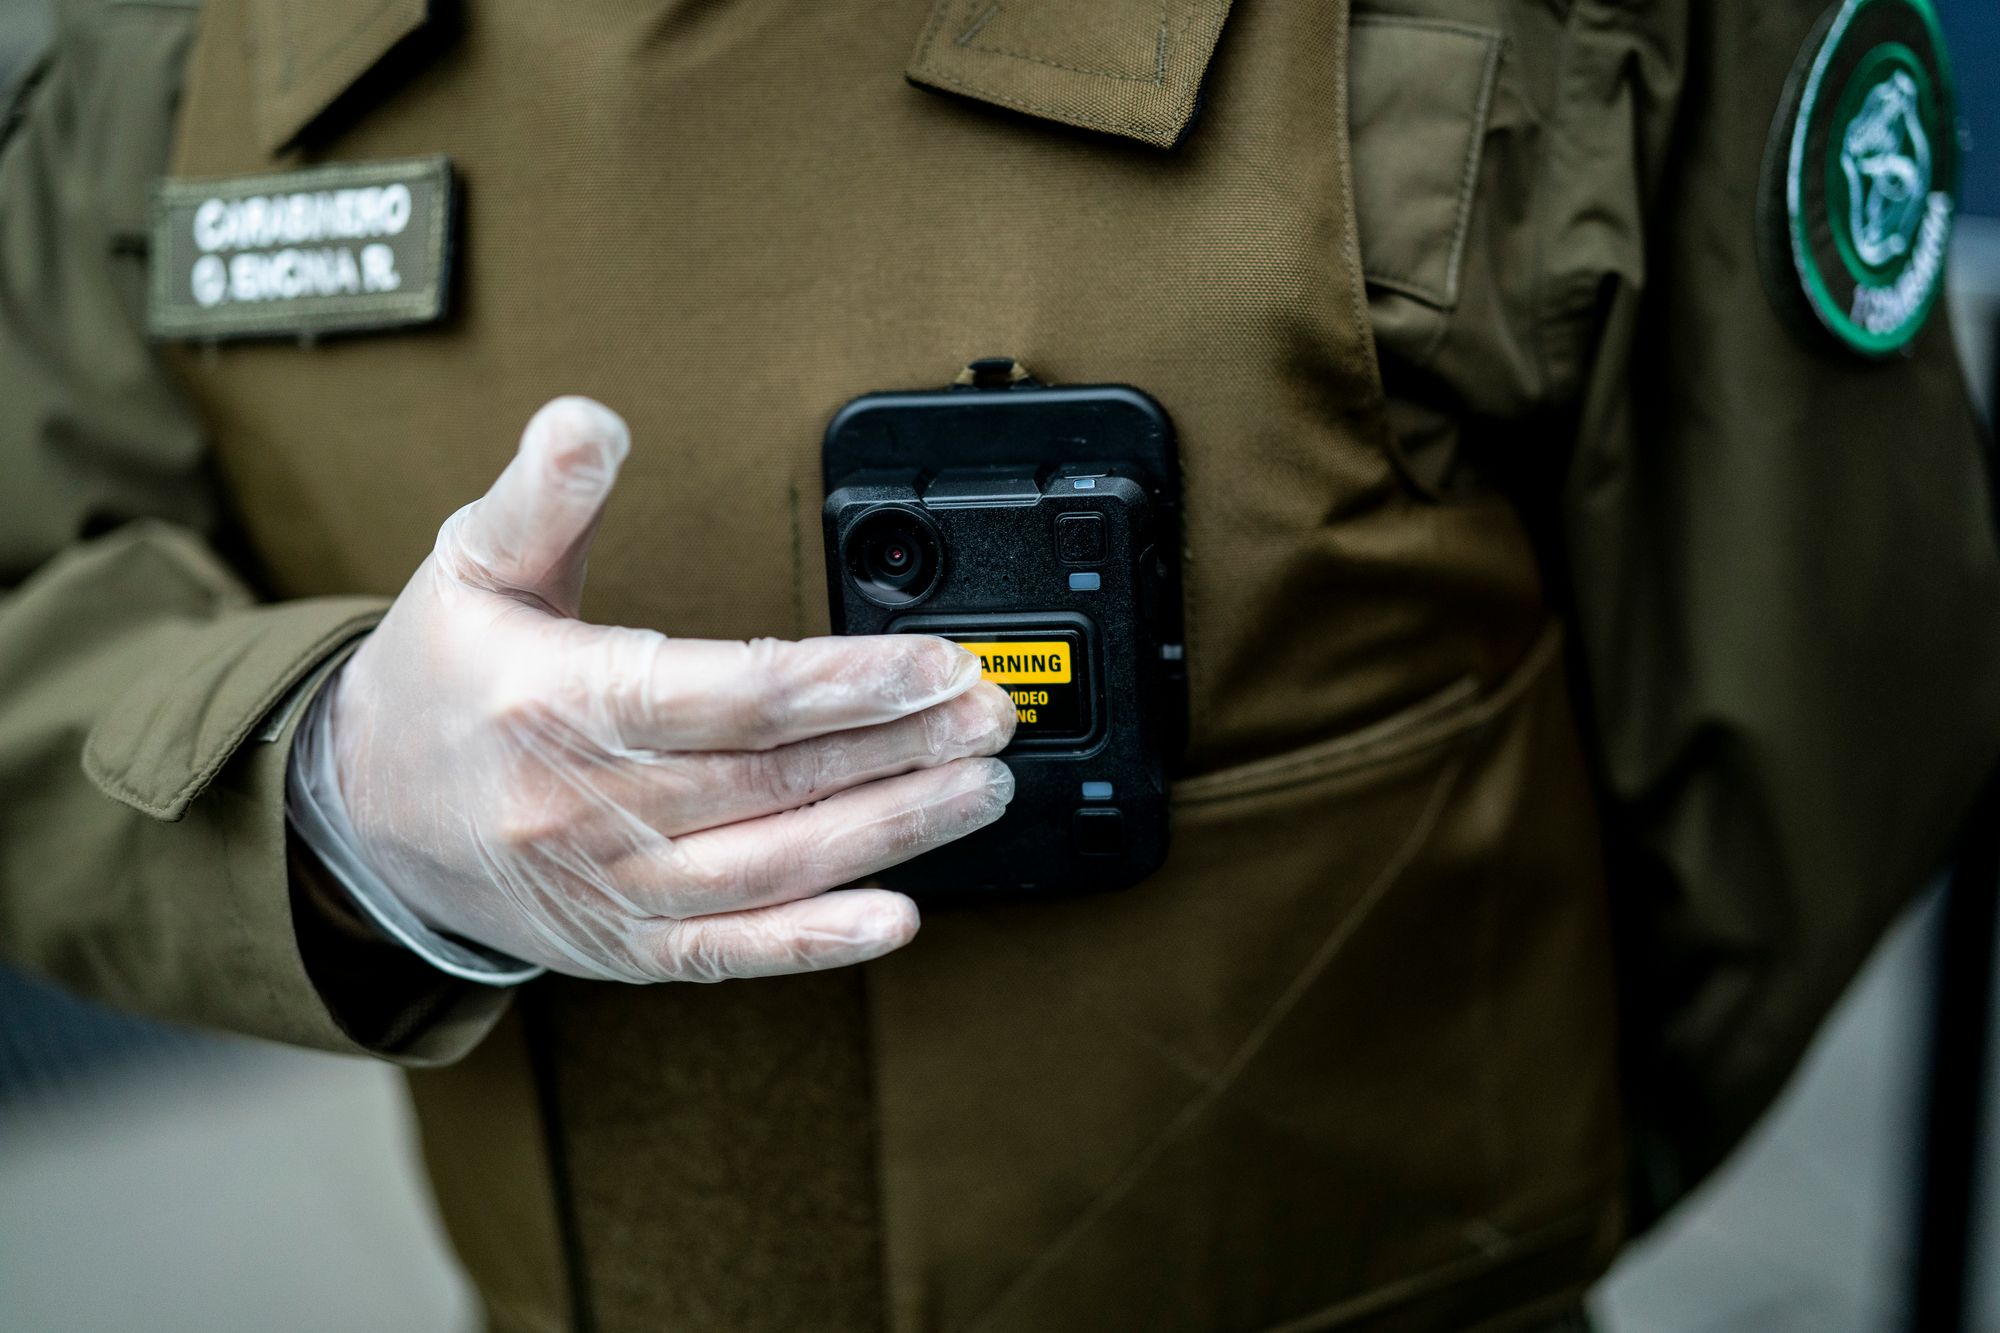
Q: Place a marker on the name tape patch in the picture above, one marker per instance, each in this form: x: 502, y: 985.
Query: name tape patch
x: 1861, y: 176
x: 339, y: 248
x: 1041, y: 677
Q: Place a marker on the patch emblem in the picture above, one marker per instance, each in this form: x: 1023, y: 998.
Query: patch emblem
x: 1861, y: 176
x: 340, y: 248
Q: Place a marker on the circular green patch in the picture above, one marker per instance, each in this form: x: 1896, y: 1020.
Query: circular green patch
x: 1861, y: 177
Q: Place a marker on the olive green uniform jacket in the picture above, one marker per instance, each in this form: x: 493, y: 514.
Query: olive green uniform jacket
x: 1348, y: 1061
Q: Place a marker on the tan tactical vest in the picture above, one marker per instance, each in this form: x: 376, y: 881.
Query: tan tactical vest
x: 1348, y: 1060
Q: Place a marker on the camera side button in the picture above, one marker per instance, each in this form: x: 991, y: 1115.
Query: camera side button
x: 1080, y: 539
x: 1097, y: 830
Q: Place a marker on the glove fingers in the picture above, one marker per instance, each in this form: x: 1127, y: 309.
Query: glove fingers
x: 832, y: 930
x: 638, y: 690
x: 530, y: 534
x: 804, y: 852
x: 678, y: 794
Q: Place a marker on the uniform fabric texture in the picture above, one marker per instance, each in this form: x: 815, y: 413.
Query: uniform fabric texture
x: 1348, y: 1061
x: 1038, y: 1117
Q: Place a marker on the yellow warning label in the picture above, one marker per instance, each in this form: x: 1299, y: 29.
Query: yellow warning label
x: 1023, y: 663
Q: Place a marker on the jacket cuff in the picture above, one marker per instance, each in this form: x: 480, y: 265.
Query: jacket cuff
x: 386, y: 1000
x: 219, y: 925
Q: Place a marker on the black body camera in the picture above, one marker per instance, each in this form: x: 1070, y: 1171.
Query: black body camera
x: 1040, y: 527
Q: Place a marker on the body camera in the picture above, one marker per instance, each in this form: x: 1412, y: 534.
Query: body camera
x: 1040, y: 527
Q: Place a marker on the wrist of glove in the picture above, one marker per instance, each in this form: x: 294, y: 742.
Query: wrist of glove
x: 504, y: 787
x: 318, y: 817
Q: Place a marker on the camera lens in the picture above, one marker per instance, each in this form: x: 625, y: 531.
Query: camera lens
x: 893, y: 555
x: 892, y: 560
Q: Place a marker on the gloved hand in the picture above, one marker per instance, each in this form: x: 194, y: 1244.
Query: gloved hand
x: 616, y: 803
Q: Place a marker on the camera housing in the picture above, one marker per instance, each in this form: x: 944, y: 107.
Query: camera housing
x: 1040, y: 527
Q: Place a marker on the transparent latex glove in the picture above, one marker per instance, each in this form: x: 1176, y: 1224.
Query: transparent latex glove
x: 617, y: 803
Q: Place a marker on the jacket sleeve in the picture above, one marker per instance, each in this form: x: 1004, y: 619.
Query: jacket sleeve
x: 146, y: 697
x: 1785, y: 576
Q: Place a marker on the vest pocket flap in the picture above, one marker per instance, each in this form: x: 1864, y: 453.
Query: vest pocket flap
x: 1127, y: 67
x: 306, y: 55
x: 1419, y: 92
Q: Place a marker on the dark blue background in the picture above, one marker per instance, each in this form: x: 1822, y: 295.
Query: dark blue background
x: 1972, y: 31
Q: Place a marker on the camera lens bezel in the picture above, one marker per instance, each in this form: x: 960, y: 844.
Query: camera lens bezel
x: 879, y: 526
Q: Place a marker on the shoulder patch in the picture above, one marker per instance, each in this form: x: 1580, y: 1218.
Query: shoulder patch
x: 1860, y: 179
x: 332, y: 249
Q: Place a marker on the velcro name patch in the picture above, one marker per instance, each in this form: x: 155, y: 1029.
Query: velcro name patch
x: 341, y: 248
